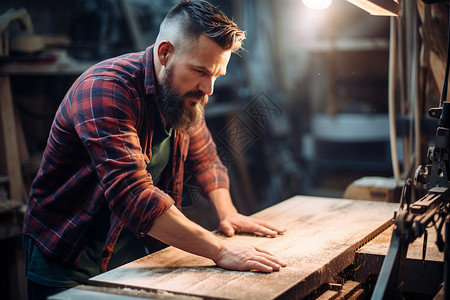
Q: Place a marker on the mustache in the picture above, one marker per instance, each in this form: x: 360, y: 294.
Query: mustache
x: 195, y: 94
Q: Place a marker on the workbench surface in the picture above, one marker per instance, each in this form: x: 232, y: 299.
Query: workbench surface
x: 419, y: 276
x: 321, y: 239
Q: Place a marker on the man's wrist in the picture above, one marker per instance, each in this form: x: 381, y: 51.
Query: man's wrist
x: 220, y: 199
x: 215, y: 248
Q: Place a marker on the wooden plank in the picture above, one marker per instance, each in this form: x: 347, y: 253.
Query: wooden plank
x: 380, y: 245
x: 321, y: 238
x: 434, y: 34
x: 10, y: 141
x: 86, y: 292
x: 69, y: 68
x: 420, y: 276
x: 379, y: 7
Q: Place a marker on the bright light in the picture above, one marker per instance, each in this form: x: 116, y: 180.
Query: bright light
x: 317, y: 4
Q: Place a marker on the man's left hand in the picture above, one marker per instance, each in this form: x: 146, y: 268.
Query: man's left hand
x: 236, y: 222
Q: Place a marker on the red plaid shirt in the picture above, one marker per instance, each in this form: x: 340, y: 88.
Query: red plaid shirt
x: 98, y: 150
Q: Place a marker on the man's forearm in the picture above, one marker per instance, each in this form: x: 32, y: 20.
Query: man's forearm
x: 220, y: 200
x: 175, y: 229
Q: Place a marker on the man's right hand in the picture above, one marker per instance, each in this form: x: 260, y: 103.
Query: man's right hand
x: 173, y: 228
x: 247, y: 258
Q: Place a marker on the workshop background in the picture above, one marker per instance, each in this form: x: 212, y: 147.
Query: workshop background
x: 303, y: 110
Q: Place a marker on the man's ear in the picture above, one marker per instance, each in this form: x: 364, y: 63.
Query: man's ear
x: 165, y: 51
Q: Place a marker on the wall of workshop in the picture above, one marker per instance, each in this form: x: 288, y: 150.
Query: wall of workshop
x: 294, y: 58
x: 261, y: 110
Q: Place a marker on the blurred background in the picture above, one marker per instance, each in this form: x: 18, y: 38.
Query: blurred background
x: 300, y: 67
x: 303, y: 110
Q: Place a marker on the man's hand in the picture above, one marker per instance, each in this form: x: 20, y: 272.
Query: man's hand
x: 247, y: 258
x: 173, y: 228
x: 231, y: 221
x: 235, y: 222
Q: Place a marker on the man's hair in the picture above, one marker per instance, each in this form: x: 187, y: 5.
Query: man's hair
x: 187, y: 20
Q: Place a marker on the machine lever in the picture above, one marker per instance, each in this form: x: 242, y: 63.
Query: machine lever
x: 424, y: 246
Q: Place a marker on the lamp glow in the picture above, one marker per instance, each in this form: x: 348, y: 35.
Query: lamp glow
x: 317, y: 4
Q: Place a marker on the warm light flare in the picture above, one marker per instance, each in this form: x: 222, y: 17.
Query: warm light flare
x: 317, y: 4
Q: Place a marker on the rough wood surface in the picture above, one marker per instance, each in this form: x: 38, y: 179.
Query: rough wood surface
x: 380, y: 245
x: 321, y: 238
x: 434, y: 19
x: 10, y: 140
x: 419, y: 276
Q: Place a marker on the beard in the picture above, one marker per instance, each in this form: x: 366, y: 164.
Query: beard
x: 178, y: 112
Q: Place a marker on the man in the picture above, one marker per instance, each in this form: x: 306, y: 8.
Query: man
x: 112, y: 170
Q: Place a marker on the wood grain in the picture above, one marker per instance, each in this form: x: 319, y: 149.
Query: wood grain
x: 10, y: 141
x: 321, y: 238
x: 380, y: 245
x: 419, y: 276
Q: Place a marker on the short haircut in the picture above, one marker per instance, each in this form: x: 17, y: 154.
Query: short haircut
x: 187, y: 20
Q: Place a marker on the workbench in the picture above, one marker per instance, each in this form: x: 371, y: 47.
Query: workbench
x: 321, y: 239
x: 421, y: 276
x: 324, y: 237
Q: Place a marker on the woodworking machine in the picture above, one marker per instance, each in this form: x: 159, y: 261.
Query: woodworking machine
x: 414, y: 218
x: 430, y: 212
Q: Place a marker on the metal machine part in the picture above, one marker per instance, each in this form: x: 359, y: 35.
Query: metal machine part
x: 415, y: 217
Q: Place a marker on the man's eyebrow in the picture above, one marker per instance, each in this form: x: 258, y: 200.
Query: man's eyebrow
x: 204, y: 69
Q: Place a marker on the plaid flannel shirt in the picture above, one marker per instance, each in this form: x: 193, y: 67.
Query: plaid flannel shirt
x: 98, y: 150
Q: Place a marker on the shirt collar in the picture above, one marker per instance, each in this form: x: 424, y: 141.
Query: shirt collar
x: 149, y: 70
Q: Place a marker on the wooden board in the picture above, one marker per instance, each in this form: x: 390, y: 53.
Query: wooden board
x: 380, y: 245
x: 321, y: 238
x: 87, y: 292
x: 10, y: 141
x: 419, y: 276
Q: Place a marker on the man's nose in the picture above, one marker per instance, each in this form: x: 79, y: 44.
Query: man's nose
x: 207, y: 85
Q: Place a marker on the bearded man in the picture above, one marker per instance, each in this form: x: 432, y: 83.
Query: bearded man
x: 112, y: 170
